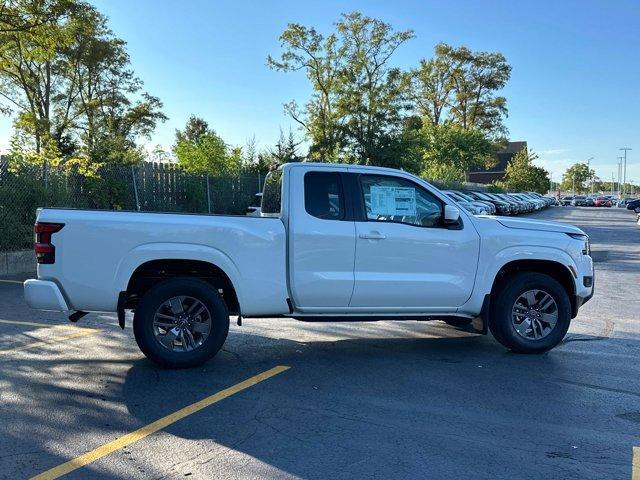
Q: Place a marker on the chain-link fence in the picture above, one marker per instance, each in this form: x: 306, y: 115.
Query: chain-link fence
x: 152, y: 187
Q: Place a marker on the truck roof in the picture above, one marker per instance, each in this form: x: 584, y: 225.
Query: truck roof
x: 341, y: 166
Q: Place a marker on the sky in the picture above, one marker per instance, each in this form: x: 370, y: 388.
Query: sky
x: 573, y: 92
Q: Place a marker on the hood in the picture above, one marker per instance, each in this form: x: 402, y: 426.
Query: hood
x: 540, y: 225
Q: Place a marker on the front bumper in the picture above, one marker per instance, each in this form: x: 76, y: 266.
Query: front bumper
x: 584, y: 293
x: 44, y: 295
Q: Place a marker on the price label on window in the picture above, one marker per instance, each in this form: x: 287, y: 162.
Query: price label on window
x: 393, y: 201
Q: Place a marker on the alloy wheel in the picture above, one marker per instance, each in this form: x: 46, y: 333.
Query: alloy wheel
x: 534, y: 314
x: 182, y: 324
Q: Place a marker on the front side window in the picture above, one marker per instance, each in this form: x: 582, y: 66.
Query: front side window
x: 323, y: 197
x: 392, y: 199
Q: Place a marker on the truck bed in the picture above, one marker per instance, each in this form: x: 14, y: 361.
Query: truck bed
x: 98, y: 251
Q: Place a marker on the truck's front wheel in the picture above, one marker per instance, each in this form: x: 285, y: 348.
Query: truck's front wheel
x: 531, y: 313
x: 181, y: 322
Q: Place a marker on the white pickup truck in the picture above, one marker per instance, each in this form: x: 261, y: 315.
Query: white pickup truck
x: 332, y: 242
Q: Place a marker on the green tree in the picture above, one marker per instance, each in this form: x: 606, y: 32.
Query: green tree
x: 449, y: 151
x: 322, y: 59
x: 432, y: 86
x: 358, y: 99
x: 522, y: 175
x: 67, y: 79
x: 285, y: 149
x: 461, y: 86
x: 576, y: 176
x: 200, y: 150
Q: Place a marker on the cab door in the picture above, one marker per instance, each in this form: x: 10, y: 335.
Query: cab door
x: 406, y: 258
x: 321, y: 240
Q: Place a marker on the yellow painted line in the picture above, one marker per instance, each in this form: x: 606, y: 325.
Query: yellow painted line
x: 635, y: 464
x: 11, y: 281
x: 83, y: 333
x: 129, y: 438
x: 37, y: 324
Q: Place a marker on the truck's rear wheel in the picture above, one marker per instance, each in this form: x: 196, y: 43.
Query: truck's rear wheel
x: 531, y: 313
x: 181, y: 322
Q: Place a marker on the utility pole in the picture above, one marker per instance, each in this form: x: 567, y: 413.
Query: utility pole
x: 589, y: 172
x: 620, y: 176
x: 624, y: 175
x: 612, y: 184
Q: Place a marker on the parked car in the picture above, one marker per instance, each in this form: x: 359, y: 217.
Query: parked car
x: 551, y: 200
x: 525, y: 206
x: 475, y: 208
x: 579, y: 201
x: 634, y: 205
x: 483, y: 203
x: 602, y: 202
x: 332, y: 242
x: 515, y: 206
x: 502, y: 207
x: 566, y: 201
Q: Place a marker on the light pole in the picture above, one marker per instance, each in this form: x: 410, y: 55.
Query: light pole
x: 620, y: 176
x: 624, y: 175
x: 611, y: 185
x: 589, y: 172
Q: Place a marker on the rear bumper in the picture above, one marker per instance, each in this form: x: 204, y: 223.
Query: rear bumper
x: 44, y: 295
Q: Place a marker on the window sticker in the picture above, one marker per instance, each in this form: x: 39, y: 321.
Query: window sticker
x: 393, y: 201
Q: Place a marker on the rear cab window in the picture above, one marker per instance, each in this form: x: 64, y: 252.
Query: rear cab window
x: 324, y: 195
x: 272, y: 194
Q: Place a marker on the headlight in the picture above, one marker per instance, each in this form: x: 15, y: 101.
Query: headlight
x: 585, y: 238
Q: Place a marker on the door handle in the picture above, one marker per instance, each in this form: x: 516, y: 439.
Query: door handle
x: 372, y: 236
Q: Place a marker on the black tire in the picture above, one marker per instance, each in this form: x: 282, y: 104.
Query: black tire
x: 458, y: 322
x: 500, y: 322
x: 152, y: 300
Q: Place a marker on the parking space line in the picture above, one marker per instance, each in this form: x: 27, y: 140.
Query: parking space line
x: 82, y: 333
x: 37, y: 324
x: 10, y: 281
x: 635, y: 464
x: 129, y: 438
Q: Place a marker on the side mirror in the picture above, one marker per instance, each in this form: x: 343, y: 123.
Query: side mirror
x: 451, y: 214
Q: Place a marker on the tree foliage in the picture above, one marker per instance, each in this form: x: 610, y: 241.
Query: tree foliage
x: 458, y: 85
x: 449, y: 151
x: 200, y: 150
x: 577, y: 176
x: 440, y: 119
x: 358, y: 98
x: 67, y: 79
x: 522, y: 175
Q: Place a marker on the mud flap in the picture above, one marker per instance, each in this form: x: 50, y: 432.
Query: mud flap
x: 481, y: 323
x: 122, y: 298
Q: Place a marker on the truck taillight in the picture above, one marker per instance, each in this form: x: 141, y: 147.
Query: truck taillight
x: 45, y: 251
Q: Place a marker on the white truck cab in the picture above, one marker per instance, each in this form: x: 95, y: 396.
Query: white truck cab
x: 332, y: 241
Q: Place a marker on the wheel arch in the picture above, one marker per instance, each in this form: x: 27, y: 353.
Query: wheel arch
x: 151, y: 263
x: 552, y: 268
x: 150, y: 273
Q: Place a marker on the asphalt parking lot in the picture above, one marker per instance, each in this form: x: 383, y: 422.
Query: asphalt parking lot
x: 359, y: 400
